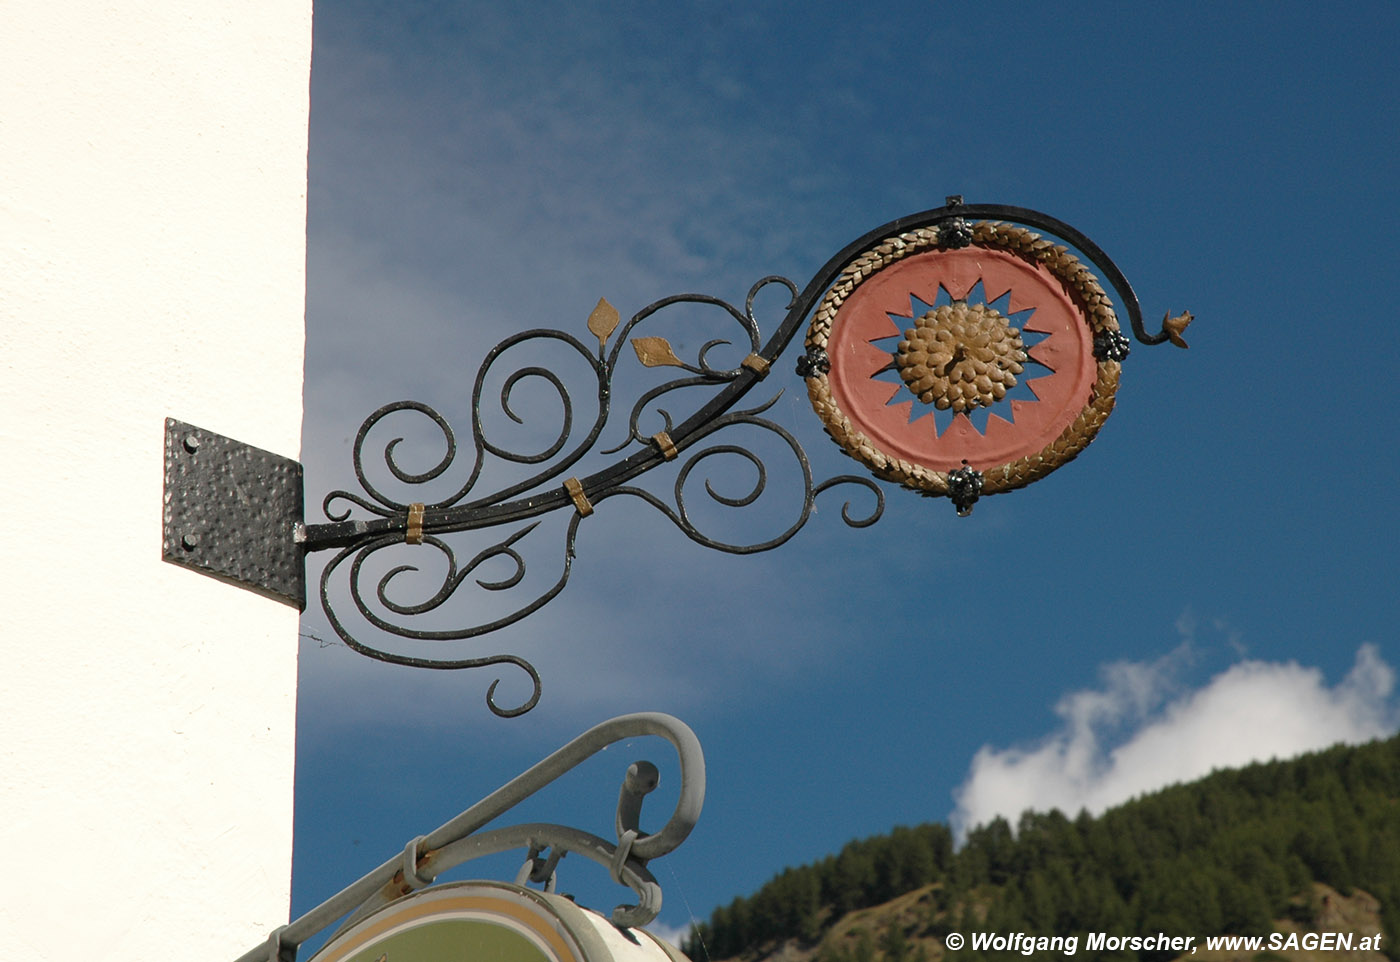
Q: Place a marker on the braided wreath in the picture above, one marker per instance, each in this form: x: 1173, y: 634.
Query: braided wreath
x: 962, y: 356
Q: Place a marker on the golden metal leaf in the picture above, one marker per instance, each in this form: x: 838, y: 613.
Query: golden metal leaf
x: 655, y: 352
x: 603, y: 321
x: 1174, y: 326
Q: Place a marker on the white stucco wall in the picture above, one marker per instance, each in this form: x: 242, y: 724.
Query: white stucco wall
x: 152, y: 254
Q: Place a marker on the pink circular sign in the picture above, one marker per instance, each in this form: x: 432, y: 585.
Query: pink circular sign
x: 899, y: 422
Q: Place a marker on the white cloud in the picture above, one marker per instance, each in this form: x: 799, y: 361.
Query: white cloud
x: 1253, y: 711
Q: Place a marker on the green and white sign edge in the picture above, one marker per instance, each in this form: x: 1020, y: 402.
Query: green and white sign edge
x: 491, y: 922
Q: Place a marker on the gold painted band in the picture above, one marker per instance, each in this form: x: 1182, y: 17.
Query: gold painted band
x: 756, y: 363
x: 665, y: 445
x: 414, y: 534
x: 581, y: 502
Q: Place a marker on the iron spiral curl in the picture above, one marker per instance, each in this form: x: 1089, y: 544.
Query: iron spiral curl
x: 681, y: 516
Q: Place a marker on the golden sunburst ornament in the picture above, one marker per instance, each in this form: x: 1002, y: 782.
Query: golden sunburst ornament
x: 961, y: 356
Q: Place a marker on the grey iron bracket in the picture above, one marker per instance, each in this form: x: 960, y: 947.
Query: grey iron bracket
x: 460, y: 840
x: 231, y: 512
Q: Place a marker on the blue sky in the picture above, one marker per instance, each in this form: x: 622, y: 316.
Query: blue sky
x: 1212, y: 581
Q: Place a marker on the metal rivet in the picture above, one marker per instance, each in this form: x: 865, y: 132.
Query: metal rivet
x: 190, y: 541
x: 191, y: 443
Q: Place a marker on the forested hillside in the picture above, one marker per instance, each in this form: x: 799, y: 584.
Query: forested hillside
x: 1229, y: 854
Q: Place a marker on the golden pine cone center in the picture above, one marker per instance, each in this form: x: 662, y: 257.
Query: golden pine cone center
x: 961, y: 357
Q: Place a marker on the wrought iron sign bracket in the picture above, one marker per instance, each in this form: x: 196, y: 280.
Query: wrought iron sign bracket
x: 954, y: 304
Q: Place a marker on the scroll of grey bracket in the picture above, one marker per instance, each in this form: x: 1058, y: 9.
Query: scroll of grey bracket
x: 411, y: 874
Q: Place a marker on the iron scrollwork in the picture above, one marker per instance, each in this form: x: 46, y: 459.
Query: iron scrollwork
x: 508, y: 514
x: 514, y: 509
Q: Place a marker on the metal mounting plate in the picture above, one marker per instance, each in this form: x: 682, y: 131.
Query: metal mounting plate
x: 231, y: 512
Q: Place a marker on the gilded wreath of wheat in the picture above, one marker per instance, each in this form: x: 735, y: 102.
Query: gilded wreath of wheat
x: 950, y: 375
